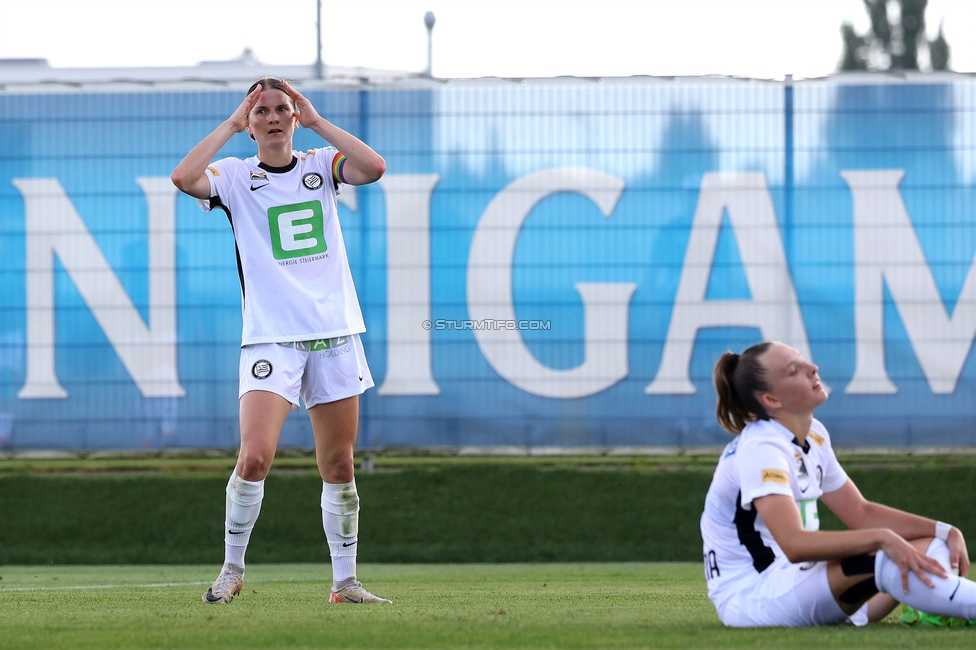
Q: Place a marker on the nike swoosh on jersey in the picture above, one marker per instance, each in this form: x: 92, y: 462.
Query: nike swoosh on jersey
x: 259, y: 187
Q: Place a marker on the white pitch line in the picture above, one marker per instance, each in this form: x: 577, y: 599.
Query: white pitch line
x: 148, y: 586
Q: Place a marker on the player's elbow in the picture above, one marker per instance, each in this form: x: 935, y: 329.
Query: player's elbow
x: 377, y: 168
x: 795, y: 550
x: 179, y: 179
x: 195, y: 187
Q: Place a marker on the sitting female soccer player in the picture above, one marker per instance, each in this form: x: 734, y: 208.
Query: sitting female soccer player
x: 302, y: 319
x: 766, y: 561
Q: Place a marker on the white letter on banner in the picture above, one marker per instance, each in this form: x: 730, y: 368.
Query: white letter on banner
x: 53, y: 227
x: 887, y: 251
x: 408, y: 354
x: 489, y: 286
x: 773, y: 308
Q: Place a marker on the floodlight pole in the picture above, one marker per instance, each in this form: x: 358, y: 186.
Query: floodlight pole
x: 429, y: 22
x: 789, y: 230
x: 318, y: 39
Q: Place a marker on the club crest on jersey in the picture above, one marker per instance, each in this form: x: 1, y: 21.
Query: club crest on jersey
x: 802, y: 475
x: 312, y: 181
x: 261, y: 369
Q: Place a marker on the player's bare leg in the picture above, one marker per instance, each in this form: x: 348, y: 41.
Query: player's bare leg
x: 262, y: 416
x: 335, y: 425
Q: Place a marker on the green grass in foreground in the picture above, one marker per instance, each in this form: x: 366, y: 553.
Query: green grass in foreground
x: 435, y: 606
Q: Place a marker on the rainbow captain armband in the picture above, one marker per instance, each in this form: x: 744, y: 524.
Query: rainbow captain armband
x: 337, y: 164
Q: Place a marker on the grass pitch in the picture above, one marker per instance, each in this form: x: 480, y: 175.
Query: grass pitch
x: 435, y: 606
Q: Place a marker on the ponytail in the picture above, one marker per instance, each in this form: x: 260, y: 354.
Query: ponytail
x: 738, y: 379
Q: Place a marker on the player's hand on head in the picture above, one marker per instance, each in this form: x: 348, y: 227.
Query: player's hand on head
x: 239, y: 118
x: 307, y: 115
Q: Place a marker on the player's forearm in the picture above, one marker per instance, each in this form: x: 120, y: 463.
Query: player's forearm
x: 358, y: 154
x: 906, y: 524
x: 806, y: 546
x: 194, y: 165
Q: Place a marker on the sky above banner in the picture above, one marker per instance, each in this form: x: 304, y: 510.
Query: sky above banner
x: 471, y: 38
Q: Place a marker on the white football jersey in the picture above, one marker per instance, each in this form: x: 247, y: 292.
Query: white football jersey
x: 764, y: 459
x: 295, y: 279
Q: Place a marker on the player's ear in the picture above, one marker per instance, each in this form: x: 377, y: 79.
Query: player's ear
x: 769, y: 402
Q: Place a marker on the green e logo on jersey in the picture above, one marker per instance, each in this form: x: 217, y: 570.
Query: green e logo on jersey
x: 809, y: 514
x: 297, y: 230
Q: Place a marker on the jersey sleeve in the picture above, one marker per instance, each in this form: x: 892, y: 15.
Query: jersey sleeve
x: 763, y: 469
x: 337, y: 164
x: 221, y: 177
x: 328, y: 162
x: 834, y: 476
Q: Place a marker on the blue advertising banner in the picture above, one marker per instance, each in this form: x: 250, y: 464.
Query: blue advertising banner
x: 547, y: 263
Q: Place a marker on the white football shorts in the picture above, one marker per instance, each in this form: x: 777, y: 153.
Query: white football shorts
x: 784, y: 595
x: 319, y: 371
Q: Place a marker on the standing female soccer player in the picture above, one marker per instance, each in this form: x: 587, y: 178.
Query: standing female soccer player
x: 766, y: 561
x: 301, y: 314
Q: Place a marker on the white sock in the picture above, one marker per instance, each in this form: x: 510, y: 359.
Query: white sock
x: 243, y: 507
x: 340, y: 519
x: 952, y: 596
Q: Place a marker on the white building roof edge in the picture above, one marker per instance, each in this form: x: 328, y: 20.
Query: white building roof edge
x: 35, y: 76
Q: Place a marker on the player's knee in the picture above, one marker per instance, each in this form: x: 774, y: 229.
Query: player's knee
x: 254, y: 466
x: 340, y: 475
x: 338, y: 469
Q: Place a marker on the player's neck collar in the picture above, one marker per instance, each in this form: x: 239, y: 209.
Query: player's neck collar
x: 789, y: 435
x: 279, y: 170
x: 805, y: 446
